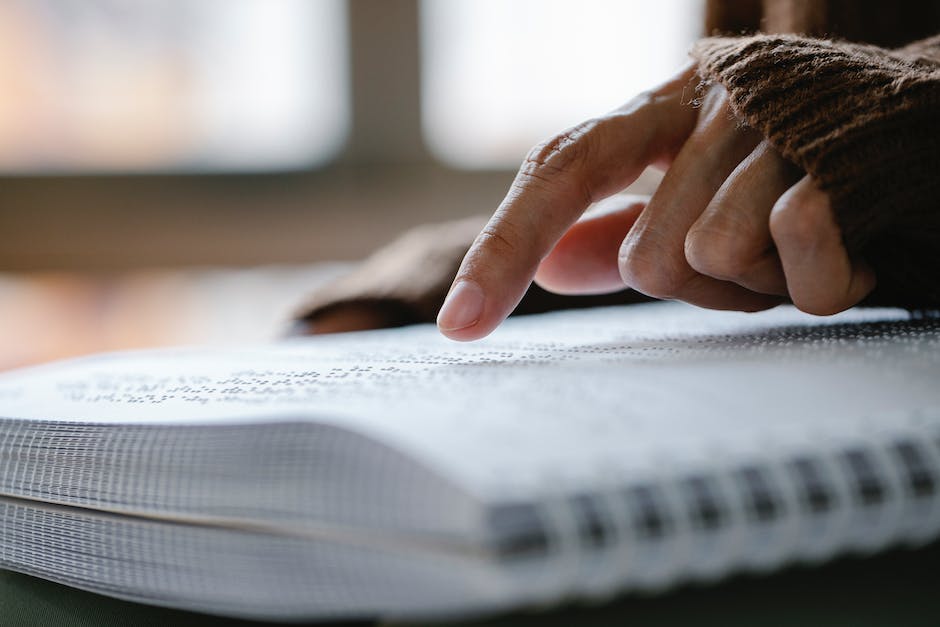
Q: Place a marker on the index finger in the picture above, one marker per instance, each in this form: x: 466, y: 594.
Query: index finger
x: 555, y: 184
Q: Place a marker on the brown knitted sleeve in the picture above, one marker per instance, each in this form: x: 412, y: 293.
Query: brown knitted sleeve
x: 865, y: 122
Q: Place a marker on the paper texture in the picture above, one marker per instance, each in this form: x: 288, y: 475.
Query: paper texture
x: 548, y: 403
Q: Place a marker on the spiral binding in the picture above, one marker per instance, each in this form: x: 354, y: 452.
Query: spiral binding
x: 807, y: 506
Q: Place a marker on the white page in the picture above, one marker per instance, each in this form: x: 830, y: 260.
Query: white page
x: 549, y: 402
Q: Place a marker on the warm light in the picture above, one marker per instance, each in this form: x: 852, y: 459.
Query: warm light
x: 166, y: 85
x: 501, y: 75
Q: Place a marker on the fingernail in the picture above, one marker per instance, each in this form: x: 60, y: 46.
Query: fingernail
x: 462, y: 308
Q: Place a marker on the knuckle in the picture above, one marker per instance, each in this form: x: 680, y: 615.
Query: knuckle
x: 495, y: 243
x: 723, y: 247
x: 563, y: 152
x: 650, y: 272
x: 713, y: 252
x: 501, y: 243
x: 561, y: 161
x: 797, y: 220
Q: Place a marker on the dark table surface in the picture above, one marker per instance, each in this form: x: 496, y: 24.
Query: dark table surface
x: 898, y: 589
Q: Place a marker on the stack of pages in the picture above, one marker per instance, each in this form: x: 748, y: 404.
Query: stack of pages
x: 397, y: 474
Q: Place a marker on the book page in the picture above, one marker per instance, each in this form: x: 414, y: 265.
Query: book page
x: 548, y: 402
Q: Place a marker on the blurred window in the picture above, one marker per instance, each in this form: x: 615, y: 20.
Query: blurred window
x: 174, y: 85
x: 499, y: 76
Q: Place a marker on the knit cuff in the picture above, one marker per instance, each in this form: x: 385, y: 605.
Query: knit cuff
x: 865, y: 123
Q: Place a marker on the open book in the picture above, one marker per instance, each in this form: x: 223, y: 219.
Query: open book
x: 397, y: 474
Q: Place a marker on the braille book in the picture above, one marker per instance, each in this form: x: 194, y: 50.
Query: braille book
x: 397, y: 474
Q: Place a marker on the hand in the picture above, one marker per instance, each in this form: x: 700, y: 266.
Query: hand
x: 732, y: 225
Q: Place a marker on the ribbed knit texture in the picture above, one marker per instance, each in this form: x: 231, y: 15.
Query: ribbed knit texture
x: 865, y: 122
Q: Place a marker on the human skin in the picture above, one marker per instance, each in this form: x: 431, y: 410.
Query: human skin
x: 733, y: 225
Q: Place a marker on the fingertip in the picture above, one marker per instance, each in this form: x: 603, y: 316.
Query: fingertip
x: 466, y: 314
x: 463, y: 307
x: 475, y: 331
x: 468, y: 334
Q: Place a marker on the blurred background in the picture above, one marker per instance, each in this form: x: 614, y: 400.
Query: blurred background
x: 145, y: 145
